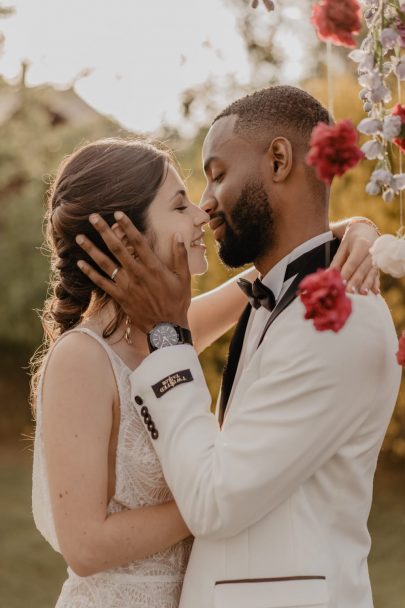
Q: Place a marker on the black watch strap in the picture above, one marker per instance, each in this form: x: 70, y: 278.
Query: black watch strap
x: 185, y: 335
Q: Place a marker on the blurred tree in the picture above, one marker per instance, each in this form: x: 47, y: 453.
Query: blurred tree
x: 42, y: 125
x: 38, y: 127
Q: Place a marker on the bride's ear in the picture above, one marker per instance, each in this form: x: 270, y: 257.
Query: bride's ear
x: 119, y: 233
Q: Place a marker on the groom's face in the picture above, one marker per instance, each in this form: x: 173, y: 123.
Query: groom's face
x: 235, y: 196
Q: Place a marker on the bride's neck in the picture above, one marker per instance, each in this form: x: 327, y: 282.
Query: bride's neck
x: 100, y: 319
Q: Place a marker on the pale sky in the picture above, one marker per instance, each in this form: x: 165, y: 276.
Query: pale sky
x: 142, y: 53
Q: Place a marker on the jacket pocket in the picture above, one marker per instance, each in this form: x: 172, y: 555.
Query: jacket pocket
x: 288, y: 592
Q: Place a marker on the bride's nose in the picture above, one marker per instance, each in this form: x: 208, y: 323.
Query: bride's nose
x: 201, y: 217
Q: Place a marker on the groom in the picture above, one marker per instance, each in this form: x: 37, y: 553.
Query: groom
x: 278, y: 497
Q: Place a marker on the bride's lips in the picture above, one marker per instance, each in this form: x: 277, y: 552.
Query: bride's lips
x: 198, y: 242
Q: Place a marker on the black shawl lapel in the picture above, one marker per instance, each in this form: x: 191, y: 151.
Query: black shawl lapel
x: 317, y: 258
x: 232, y: 361
x: 314, y: 260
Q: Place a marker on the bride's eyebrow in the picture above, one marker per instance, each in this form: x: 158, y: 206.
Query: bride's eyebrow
x: 178, y: 193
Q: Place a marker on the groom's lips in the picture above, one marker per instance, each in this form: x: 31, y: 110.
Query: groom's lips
x: 217, y: 226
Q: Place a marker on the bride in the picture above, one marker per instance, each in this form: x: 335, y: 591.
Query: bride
x: 99, y: 496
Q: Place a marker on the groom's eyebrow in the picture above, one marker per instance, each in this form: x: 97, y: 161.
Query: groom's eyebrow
x: 208, y: 162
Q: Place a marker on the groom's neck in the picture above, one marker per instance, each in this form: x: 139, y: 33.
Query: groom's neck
x: 286, y: 239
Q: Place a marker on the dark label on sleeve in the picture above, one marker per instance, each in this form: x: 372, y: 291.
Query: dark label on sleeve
x: 171, y: 381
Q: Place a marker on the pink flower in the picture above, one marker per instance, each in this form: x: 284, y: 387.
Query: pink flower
x: 401, y: 350
x: 333, y: 149
x: 401, y: 32
x: 399, y: 110
x: 323, y: 294
x: 337, y: 20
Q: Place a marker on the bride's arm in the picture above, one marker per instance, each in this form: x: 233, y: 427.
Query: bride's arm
x: 77, y: 406
x: 213, y: 313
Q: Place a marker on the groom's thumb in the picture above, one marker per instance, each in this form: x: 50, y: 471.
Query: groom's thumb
x: 180, y: 257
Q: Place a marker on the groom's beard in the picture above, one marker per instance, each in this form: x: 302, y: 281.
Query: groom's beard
x: 251, y: 234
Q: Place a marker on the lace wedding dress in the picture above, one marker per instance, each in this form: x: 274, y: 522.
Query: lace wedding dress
x: 154, y: 582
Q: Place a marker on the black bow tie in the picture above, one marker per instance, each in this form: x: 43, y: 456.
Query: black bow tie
x: 258, y: 294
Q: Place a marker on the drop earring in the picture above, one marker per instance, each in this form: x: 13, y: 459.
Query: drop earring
x: 128, y: 336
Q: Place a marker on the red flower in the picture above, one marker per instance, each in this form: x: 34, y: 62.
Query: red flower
x: 401, y: 351
x: 399, y: 110
x: 337, y: 20
x: 323, y: 294
x: 333, y: 149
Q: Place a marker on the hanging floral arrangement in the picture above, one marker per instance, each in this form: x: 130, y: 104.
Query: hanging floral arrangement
x: 334, y: 148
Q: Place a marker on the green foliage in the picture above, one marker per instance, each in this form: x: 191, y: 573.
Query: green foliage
x: 32, y: 143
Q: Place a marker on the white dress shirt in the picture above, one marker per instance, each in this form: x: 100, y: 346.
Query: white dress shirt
x: 274, y: 280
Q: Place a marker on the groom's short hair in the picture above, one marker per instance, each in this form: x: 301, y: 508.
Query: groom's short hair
x: 275, y: 110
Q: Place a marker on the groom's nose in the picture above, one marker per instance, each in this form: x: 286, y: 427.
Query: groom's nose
x: 208, y: 204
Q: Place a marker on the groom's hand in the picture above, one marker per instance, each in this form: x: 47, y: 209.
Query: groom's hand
x: 148, y: 291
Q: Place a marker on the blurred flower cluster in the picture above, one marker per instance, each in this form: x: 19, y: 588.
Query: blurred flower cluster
x: 323, y: 294
x: 337, y: 21
x: 333, y: 149
x: 378, y: 58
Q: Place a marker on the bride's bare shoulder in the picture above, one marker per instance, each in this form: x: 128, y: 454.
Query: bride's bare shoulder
x: 78, y: 356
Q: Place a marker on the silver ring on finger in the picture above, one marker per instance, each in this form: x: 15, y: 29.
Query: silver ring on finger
x: 115, y: 272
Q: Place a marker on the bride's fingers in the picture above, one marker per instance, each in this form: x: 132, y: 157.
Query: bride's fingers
x: 371, y: 282
x: 358, y: 254
x: 340, y: 256
x: 355, y: 282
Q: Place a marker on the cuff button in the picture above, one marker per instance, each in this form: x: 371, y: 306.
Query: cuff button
x: 138, y: 400
x: 154, y: 434
x: 144, y: 411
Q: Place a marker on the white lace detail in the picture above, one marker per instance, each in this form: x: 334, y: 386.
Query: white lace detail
x: 154, y: 582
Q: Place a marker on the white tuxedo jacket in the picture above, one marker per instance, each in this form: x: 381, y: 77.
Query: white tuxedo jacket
x: 278, y: 500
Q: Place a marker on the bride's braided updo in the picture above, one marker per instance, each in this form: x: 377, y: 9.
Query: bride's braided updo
x: 102, y: 177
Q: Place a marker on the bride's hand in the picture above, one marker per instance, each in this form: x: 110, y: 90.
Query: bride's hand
x: 354, y: 261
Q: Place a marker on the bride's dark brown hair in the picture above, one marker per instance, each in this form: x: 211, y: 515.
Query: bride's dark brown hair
x: 105, y: 176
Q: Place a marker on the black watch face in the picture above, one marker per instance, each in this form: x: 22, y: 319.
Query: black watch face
x: 164, y: 335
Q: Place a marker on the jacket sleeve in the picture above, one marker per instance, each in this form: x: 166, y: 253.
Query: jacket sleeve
x: 303, y: 406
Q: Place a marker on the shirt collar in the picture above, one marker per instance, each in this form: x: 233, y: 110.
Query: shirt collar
x: 274, y: 279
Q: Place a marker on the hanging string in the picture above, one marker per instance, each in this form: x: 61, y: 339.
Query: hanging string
x: 401, y: 209
x: 329, y: 71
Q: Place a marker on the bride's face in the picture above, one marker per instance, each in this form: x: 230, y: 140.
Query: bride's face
x: 171, y: 212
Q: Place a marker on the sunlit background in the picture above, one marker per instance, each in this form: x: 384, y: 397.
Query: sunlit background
x: 133, y: 59
x: 72, y: 72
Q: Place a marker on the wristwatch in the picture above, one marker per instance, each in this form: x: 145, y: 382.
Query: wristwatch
x: 168, y: 334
